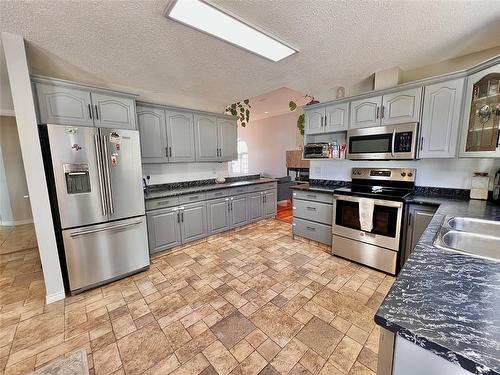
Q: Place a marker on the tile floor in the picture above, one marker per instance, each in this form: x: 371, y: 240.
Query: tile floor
x: 253, y: 301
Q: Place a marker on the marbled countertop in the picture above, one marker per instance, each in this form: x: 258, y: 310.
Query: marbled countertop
x: 321, y: 187
x: 164, y: 193
x: 445, y: 301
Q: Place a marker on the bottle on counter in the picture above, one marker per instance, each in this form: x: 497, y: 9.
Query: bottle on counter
x: 335, y: 150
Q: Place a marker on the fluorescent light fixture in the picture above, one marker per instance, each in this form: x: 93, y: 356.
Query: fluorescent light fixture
x: 205, y: 17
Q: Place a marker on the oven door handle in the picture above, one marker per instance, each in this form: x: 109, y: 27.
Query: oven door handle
x: 378, y: 202
x: 393, y: 146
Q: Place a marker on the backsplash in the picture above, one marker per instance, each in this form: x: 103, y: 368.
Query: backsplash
x: 447, y: 173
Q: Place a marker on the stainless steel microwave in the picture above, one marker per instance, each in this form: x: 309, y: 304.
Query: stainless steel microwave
x: 383, y: 142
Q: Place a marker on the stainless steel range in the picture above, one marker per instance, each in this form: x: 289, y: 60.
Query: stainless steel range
x: 367, y: 216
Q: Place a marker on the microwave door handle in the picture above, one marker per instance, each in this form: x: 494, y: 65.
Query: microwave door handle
x: 99, y: 172
x: 393, y: 142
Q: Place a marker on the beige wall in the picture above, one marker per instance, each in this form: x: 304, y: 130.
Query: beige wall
x: 15, y: 208
x: 267, y: 141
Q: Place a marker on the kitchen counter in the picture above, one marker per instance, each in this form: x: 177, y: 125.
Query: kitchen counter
x: 168, y: 191
x: 448, y: 302
x: 320, y: 186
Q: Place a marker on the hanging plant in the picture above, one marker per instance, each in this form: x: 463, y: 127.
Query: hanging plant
x: 241, y: 110
x: 301, y: 120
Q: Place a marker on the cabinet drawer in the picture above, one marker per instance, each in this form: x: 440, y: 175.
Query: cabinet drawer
x: 313, y: 196
x: 154, y: 204
x: 260, y: 187
x: 220, y: 193
x: 238, y: 190
x: 320, y: 212
x: 314, y: 231
x: 190, y: 198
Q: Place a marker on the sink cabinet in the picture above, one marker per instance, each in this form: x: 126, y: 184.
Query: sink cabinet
x: 417, y: 219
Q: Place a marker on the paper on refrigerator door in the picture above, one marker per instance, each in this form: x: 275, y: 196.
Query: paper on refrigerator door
x: 366, y: 207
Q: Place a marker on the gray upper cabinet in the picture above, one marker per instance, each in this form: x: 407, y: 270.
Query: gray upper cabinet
x: 255, y: 206
x: 64, y: 105
x: 180, y: 135
x: 313, y: 121
x: 151, y: 124
x: 336, y: 117
x: 113, y: 111
x: 228, y: 134
x: 441, y: 119
x: 239, y: 210
x: 218, y: 215
x: 206, y: 138
x: 401, y: 106
x: 365, y: 112
x: 164, y: 229
x: 193, y: 221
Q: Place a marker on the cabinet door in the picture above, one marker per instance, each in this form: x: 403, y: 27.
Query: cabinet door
x: 113, y: 111
x: 270, y: 203
x: 64, y: 105
x: 180, y: 136
x: 481, y: 116
x: 417, y: 220
x: 206, y: 132
x: 336, y: 117
x: 193, y: 221
x: 365, y: 113
x: 228, y: 139
x: 151, y: 124
x: 255, y: 206
x: 164, y: 230
x: 218, y: 215
x: 314, y: 121
x: 402, y: 106
x: 239, y: 210
x: 441, y: 119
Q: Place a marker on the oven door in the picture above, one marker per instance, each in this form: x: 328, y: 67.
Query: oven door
x: 386, y: 221
x: 383, y: 142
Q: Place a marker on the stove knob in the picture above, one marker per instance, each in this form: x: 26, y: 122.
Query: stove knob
x: 403, y: 174
x: 410, y: 174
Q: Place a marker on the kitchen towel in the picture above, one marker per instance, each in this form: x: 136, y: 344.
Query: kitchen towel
x: 366, y: 207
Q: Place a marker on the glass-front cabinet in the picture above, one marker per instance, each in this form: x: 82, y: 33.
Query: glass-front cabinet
x: 482, y: 114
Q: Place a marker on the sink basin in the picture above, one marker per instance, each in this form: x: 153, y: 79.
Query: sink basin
x: 478, y: 226
x: 470, y: 243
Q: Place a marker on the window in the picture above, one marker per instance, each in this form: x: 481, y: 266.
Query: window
x: 240, y: 166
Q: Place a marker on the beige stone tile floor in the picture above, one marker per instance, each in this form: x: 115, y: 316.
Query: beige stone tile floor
x: 252, y: 301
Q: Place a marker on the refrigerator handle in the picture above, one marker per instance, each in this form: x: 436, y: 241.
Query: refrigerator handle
x: 104, y: 229
x: 108, y: 177
x: 99, y: 173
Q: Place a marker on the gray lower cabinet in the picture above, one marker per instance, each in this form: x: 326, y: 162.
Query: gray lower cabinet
x: 164, y: 229
x: 180, y: 135
x: 312, y: 215
x: 255, y: 206
x: 312, y: 230
x: 270, y: 203
x: 218, y: 215
x: 151, y: 124
x: 193, y: 221
x: 70, y: 104
x: 417, y: 220
x: 238, y: 210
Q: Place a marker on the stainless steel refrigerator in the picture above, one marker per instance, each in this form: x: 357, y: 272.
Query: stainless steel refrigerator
x: 95, y: 175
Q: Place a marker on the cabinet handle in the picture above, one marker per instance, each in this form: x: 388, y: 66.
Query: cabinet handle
x: 311, y: 208
x: 311, y: 195
x: 326, y: 118
x: 311, y: 229
x: 382, y: 112
x: 178, y: 217
x: 170, y: 151
x: 378, y: 110
x: 321, y: 122
x: 421, y: 143
x: 96, y: 112
x: 409, y: 220
x: 90, y: 111
x: 182, y: 216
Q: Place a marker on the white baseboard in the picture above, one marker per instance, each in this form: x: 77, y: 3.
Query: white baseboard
x: 16, y: 222
x: 49, y: 298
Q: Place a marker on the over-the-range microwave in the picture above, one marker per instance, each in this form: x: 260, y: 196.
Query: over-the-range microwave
x: 383, y: 142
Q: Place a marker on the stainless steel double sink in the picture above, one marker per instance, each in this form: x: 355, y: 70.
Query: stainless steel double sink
x: 475, y: 237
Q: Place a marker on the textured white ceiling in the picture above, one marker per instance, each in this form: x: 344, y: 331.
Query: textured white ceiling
x: 130, y: 44
x: 275, y: 102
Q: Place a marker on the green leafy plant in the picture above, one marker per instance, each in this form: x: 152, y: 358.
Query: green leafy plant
x: 301, y: 119
x: 241, y: 110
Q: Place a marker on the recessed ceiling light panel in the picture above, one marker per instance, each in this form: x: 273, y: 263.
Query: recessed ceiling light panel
x: 205, y: 17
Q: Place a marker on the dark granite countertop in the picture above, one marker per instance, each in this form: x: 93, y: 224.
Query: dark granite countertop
x: 321, y: 186
x: 168, y: 191
x: 448, y: 302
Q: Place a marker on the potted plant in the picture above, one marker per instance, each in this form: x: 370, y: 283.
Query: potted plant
x: 301, y: 119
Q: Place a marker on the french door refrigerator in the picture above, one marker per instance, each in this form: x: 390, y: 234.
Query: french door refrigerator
x: 95, y: 177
